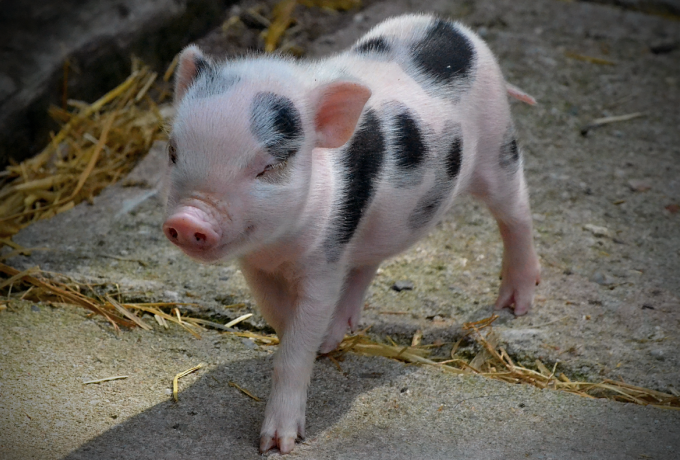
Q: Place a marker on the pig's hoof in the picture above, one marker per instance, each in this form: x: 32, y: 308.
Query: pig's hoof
x: 338, y: 328
x: 334, y: 336
x: 281, y: 430
x: 285, y: 444
x: 331, y: 342
x: 284, y: 441
x: 517, y: 290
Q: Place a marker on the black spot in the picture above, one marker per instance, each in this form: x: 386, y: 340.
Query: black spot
x: 202, y: 64
x: 509, y: 154
x: 374, y: 45
x: 427, y: 206
x: 454, y: 158
x: 409, y: 148
x: 444, y: 54
x: 362, y: 161
x: 514, y: 153
x: 277, y: 124
x: 211, y: 82
x: 172, y: 153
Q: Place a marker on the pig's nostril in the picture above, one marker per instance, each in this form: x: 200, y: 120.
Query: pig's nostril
x: 200, y: 237
x: 173, y: 233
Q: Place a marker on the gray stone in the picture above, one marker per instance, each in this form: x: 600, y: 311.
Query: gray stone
x: 403, y: 285
x: 657, y: 353
x: 602, y: 279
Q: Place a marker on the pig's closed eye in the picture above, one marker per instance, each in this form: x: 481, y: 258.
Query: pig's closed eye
x: 272, y: 168
x: 172, y: 154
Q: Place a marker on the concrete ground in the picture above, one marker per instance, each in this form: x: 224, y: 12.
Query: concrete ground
x: 607, y: 308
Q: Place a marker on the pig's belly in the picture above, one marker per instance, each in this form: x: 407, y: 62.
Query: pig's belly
x: 387, y: 229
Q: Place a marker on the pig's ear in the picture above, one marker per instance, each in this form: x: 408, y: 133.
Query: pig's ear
x: 191, y: 62
x: 338, y: 108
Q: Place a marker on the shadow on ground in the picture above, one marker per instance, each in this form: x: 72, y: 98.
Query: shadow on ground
x: 213, y: 417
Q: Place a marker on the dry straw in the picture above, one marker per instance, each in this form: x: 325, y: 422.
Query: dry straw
x: 491, y: 360
x: 282, y: 20
x: 175, y: 385
x: 97, y: 145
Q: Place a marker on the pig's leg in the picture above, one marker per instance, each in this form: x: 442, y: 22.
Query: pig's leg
x: 301, y: 333
x: 348, y: 311
x: 273, y: 296
x: 499, y: 182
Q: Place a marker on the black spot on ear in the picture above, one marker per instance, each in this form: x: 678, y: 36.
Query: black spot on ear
x: 277, y: 124
x: 202, y: 64
x: 427, y: 206
x: 212, y: 82
x: 374, y: 45
x: 454, y: 158
x: 444, y: 54
x: 409, y: 149
x: 362, y: 161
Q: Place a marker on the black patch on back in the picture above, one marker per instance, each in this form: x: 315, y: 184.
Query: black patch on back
x: 374, y: 45
x: 277, y: 124
x: 362, y: 161
x: 454, y: 158
x: 427, y: 206
x: 409, y: 147
x: 444, y: 54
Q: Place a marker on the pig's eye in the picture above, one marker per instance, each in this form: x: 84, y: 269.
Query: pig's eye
x: 272, y: 169
x: 172, y: 154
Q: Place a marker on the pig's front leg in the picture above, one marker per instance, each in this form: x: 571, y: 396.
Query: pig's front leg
x: 301, y: 334
x: 348, y: 311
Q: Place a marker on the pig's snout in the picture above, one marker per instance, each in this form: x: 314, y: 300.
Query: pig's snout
x: 192, y: 230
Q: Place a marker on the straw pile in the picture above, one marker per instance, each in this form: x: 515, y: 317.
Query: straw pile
x: 97, y: 145
x: 491, y: 361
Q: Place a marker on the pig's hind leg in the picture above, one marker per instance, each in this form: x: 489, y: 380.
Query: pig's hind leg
x: 498, y: 180
x: 348, y: 311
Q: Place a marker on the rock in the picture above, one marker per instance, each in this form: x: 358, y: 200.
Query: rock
x: 403, y: 285
x: 600, y: 232
x: 602, y: 279
x: 248, y: 343
x: 171, y: 296
x: 638, y: 185
x: 657, y: 353
x: 672, y: 208
x: 663, y: 47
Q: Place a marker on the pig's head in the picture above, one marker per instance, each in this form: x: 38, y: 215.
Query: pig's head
x: 240, y: 151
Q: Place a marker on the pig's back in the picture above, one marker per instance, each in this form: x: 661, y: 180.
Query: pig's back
x: 436, y: 88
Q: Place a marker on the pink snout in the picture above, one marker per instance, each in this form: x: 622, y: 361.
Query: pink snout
x: 192, y: 230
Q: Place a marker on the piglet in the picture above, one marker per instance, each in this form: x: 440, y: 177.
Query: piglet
x: 313, y: 173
